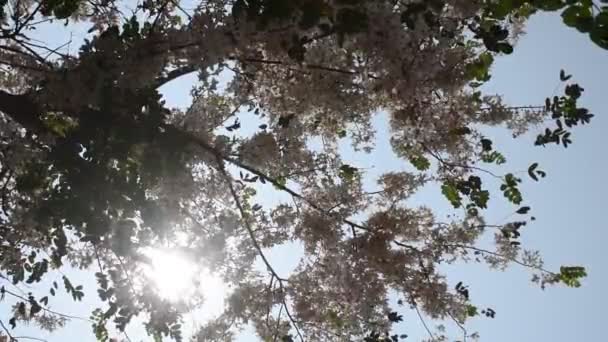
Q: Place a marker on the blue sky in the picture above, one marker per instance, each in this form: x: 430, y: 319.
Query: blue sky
x: 568, y: 204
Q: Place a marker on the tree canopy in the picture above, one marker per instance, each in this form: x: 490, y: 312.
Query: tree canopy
x: 96, y: 168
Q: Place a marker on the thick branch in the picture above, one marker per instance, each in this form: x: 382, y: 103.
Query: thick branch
x: 173, y: 74
x: 307, y: 66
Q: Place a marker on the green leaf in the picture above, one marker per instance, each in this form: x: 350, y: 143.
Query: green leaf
x: 505, y: 48
x: 531, y: 170
x: 451, y: 193
x: 486, y: 145
x: 510, y: 190
x: 571, y: 275
x: 395, y: 317
x: 549, y: 5
x: 471, y: 310
x: 599, y: 32
x: 523, y: 210
x: 579, y: 17
x: 480, y: 198
x: 420, y: 162
x: 493, y: 157
x: 480, y: 69
x: 347, y: 172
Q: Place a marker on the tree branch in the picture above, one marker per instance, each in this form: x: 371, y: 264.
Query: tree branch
x: 504, y: 257
x: 256, y: 245
x: 47, y: 310
x: 452, y: 165
x: 8, y: 333
x: 464, y: 330
x: 173, y: 74
x: 306, y: 66
x: 426, y: 327
x: 30, y: 338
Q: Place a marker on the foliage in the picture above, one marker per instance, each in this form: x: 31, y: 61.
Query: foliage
x: 584, y: 15
x: 95, y: 168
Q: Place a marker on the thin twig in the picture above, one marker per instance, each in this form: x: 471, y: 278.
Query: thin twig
x: 256, y: 245
x: 293, y: 322
x: 28, y: 19
x: 161, y: 11
x: 276, y: 329
x: 504, y: 257
x: 97, y: 257
x: 127, y: 274
x: 426, y: 327
x: 453, y: 165
x: 55, y: 50
x: 126, y: 336
x: 30, y: 338
x: 269, y: 290
x: 34, y: 53
x: 8, y: 281
x: 8, y: 333
x: 464, y: 330
x: 46, y: 309
x: 515, y: 107
x: 176, y: 4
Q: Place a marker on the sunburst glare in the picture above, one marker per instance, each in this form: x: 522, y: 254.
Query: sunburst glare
x: 176, y: 277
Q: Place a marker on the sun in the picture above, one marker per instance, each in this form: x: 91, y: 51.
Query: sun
x: 172, y: 274
x: 176, y: 277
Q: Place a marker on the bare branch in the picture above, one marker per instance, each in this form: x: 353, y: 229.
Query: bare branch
x: 274, y: 337
x: 504, y: 257
x: 30, y: 338
x: 426, y: 327
x: 464, y: 330
x: 48, y: 310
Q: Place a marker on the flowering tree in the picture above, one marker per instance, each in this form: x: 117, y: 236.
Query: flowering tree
x: 95, y: 168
